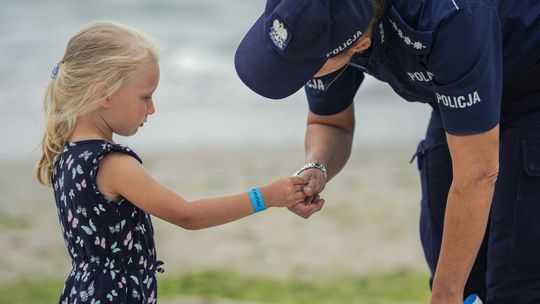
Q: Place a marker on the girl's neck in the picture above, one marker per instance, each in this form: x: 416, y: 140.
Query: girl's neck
x: 88, y: 128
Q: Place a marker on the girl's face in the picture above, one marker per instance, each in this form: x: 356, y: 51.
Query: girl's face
x: 130, y: 105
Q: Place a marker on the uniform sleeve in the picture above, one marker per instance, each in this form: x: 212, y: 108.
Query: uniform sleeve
x: 466, y: 61
x: 338, y: 94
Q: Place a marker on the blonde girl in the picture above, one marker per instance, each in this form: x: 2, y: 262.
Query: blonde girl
x: 103, y: 86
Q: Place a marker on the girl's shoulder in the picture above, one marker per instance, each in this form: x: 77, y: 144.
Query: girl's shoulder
x: 83, y: 156
x: 79, y: 163
x: 95, y: 150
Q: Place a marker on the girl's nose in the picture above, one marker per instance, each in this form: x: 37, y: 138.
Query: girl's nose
x: 150, y: 109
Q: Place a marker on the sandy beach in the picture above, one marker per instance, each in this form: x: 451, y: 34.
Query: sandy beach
x: 369, y: 223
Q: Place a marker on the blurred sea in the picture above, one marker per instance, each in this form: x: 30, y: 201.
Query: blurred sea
x: 200, y: 102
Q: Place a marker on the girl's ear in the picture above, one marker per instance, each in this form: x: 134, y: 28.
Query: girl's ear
x: 99, y: 94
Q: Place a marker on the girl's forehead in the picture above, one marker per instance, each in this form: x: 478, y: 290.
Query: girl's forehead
x: 148, y: 76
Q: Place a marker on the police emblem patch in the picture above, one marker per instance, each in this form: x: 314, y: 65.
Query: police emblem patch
x: 279, y: 34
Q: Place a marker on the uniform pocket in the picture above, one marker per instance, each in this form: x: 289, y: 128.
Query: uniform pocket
x: 529, y: 183
x: 525, y: 241
x: 426, y: 232
x: 435, y: 168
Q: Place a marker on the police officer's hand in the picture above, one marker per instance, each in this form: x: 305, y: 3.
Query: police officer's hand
x: 313, y: 201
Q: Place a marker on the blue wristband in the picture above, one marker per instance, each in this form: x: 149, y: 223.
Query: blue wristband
x: 256, y: 200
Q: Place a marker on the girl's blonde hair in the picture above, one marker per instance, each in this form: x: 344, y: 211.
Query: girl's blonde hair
x: 102, y: 53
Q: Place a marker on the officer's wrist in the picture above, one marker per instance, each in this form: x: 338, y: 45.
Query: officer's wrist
x: 313, y: 165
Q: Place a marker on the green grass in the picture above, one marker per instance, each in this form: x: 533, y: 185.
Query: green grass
x: 11, y: 222
x: 35, y: 291
x: 390, y: 288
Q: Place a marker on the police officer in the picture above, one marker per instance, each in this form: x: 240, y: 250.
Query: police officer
x: 476, y: 63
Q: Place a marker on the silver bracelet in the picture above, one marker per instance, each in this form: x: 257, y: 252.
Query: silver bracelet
x: 312, y: 166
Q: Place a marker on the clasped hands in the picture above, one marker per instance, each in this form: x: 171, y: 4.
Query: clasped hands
x: 313, y: 202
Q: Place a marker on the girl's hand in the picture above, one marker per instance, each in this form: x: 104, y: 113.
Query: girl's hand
x: 284, y: 192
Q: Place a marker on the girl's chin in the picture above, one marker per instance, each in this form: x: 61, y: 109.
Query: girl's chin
x: 128, y: 133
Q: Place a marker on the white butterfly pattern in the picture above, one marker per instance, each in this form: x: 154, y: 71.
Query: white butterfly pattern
x: 81, y: 210
x: 100, y: 242
x: 87, y: 293
x: 73, y: 220
x: 114, y: 247
x: 61, y: 181
x: 113, y: 229
x: 122, y: 283
x: 143, y: 262
x: 81, y: 185
x: 151, y: 298
x: 95, y: 259
x: 90, y: 229
x: 135, y: 294
x: 148, y: 281
x: 69, y: 161
x: 75, y: 223
x: 128, y: 241
x: 141, y: 228
x: 63, y: 198
x: 99, y: 209
x: 76, y: 170
x: 111, y: 295
x: 71, y: 194
x: 79, y: 241
x: 85, y: 155
x: 70, y: 215
x: 97, y: 231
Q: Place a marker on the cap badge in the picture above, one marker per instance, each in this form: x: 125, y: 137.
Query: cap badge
x: 279, y: 34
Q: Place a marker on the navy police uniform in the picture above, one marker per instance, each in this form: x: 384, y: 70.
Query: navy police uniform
x: 477, y: 64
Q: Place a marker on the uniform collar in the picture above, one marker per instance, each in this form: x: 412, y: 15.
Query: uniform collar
x: 380, y: 38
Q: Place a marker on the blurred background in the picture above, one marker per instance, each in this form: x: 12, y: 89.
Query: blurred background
x: 211, y: 135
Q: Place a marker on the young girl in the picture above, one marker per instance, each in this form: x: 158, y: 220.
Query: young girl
x: 103, y: 86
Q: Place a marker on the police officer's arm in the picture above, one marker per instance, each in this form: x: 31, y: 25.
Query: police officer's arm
x: 466, y: 61
x: 330, y: 128
x: 475, y: 162
x: 328, y: 141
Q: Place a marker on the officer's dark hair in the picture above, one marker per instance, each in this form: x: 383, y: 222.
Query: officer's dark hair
x: 379, y: 8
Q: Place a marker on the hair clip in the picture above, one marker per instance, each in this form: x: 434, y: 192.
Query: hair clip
x: 55, y: 71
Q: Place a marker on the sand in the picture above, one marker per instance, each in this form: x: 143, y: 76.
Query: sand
x: 369, y: 222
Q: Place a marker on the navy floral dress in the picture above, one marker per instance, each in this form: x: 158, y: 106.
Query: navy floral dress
x: 111, y: 244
